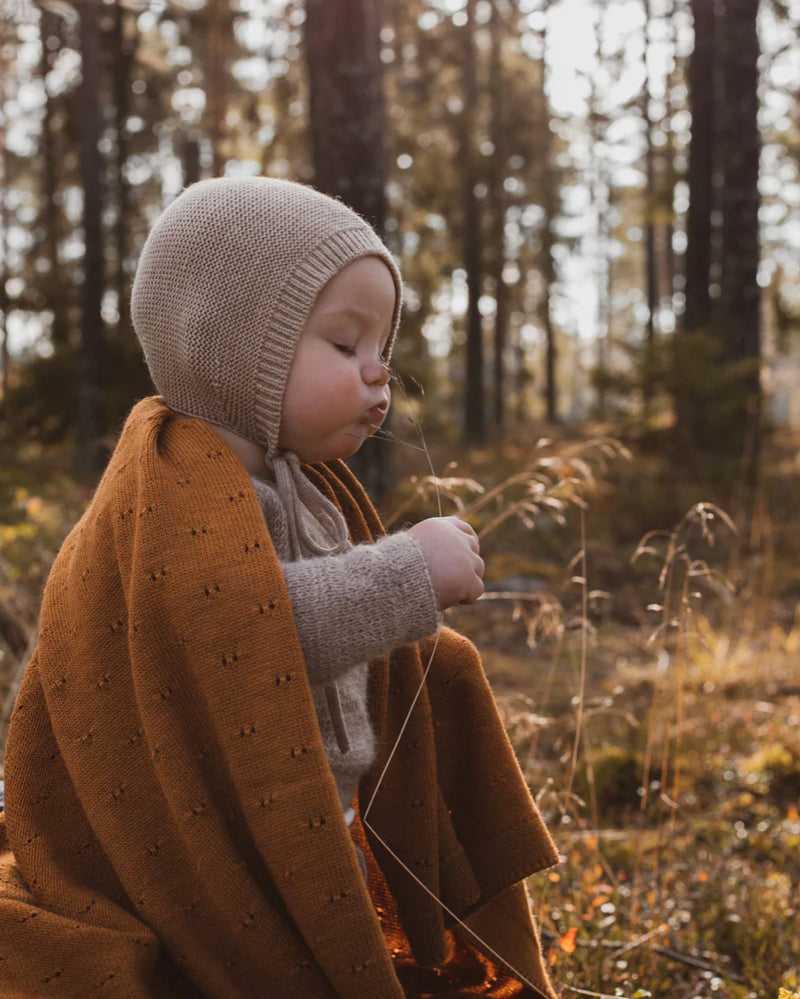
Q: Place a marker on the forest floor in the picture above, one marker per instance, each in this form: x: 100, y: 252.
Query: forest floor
x: 653, y: 699
x: 673, y: 651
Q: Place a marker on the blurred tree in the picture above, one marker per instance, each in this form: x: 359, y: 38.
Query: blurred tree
x: 218, y: 24
x: 531, y: 171
x: 282, y: 110
x: 123, y: 39
x: 347, y: 122
x: 718, y: 383
x: 549, y: 195
x: 499, y: 148
x: 692, y: 358
x: 52, y: 150
x: 736, y: 322
x: 667, y: 194
x: 472, y: 247
x: 346, y: 103
x: 5, y: 224
x: 650, y: 207
x: 424, y: 55
x: 92, y: 427
x: 599, y: 182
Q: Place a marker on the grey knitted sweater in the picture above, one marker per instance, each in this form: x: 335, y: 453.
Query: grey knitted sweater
x: 350, y: 608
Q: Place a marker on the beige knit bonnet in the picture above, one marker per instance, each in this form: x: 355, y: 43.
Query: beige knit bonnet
x: 224, y: 284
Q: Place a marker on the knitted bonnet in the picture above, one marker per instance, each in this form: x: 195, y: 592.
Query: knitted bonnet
x: 224, y: 284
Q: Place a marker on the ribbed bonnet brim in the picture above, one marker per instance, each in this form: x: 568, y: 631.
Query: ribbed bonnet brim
x: 223, y: 288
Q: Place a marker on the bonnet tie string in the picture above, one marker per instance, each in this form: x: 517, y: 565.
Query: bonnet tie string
x: 316, y: 527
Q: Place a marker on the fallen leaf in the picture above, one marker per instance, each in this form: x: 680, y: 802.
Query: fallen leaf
x: 567, y: 942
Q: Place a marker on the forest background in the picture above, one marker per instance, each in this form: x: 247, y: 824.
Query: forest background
x: 596, y: 209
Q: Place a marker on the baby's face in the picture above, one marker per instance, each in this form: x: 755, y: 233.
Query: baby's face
x: 337, y: 392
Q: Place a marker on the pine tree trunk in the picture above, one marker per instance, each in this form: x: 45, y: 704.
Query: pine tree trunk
x: 50, y: 27
x: 5, y: 411
x: 670, y: 170
x: 346, y: 103
x: 736, y: 321
x: 498, y: 126
x: 548, y: 188
x: 5, y: 222
x: 216, y: 86
x: 474, y: 416
x: 600, y: 193
x: 122, y: 49
x: 603, y: 284
x: 92, y: 412
x: 692, y: 353
x: 649, y: 228
x: 347, y: 133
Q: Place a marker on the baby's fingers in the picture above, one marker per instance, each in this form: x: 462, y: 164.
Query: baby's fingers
x: 475, y: 590
x: 472, y: 537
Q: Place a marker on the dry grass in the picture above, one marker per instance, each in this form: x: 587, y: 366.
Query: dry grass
x: 649, y: 687
x: 663, y: 749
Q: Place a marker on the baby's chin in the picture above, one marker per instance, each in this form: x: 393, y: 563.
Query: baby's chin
x: 345, y: 449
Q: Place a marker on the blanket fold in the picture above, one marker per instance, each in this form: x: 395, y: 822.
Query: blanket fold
x: 172, y: 824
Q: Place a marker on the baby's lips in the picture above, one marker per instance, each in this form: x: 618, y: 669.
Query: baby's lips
x: 377, y: 413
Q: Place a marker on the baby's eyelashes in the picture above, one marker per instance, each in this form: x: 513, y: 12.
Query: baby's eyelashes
x: 345, y: 348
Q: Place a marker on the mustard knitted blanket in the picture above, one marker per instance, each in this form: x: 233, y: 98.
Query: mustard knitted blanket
x: 172, y: 826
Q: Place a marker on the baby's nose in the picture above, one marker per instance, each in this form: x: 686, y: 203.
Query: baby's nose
x: 376, y: 372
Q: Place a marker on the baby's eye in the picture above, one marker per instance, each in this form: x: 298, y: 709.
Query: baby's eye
x: 345, y: 348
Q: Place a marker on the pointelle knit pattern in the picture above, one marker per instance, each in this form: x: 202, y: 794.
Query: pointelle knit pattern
x: 173, y: 828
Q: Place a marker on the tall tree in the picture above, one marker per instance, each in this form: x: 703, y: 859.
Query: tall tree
x: 123, y: 50
x: 50, y: 31
x: 218, y: 28
x: 92, y: 411
x: 498, y: 206
x: 5, y: 223
x: 346, y: 103
x: 343, y: 59
x: 600, y: 190
x: 649, y: 220
x: 692, y: 357
x: 737, y: 315
x: 474, y: 413
x: 670, y: 170
x: 549, y: 189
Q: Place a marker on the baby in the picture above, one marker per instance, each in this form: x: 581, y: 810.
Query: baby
x: 227, y: 664
x: 334, y: 395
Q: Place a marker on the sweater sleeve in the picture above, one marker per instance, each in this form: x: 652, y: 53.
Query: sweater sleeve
x: 355, y: 606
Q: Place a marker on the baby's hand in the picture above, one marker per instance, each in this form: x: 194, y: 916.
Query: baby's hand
x: 452, y: 552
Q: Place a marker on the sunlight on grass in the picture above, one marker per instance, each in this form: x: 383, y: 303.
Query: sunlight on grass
x: 677, y: 818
